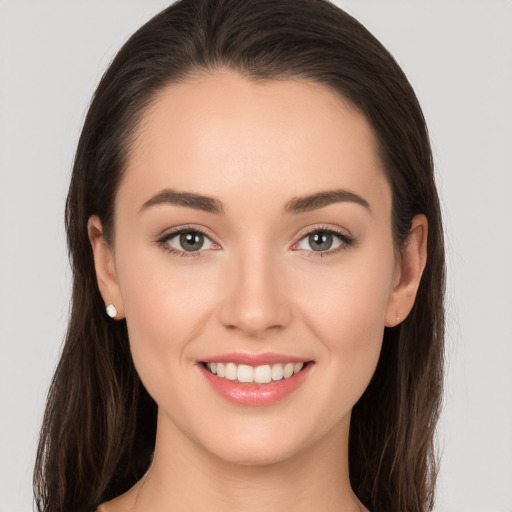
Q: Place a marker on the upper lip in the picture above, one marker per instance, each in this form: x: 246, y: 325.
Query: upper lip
x: 254, y: 359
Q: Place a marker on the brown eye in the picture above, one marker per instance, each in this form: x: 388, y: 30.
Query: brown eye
x: 191, y: 241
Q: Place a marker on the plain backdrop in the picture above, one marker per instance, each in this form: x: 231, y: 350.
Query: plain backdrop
x: 458, y: 56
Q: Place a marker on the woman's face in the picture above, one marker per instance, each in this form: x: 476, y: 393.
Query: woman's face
x: 288, y: 258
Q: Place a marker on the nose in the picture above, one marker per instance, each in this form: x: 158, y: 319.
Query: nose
x: 255, y: 301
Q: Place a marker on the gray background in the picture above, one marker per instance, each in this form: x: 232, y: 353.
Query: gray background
x: 458, y: 56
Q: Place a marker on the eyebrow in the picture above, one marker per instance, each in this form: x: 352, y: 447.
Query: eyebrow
x: 321, y: 199
x: 294, y: 206
x: 187, y: 199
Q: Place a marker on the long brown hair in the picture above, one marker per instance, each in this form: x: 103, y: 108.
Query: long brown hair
x: 98, y: 432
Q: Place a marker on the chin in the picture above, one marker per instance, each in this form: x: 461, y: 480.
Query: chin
x: 268, y: 444
x: 257, y: 455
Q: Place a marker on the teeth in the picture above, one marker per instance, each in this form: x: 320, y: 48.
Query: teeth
x: 245, y: 373
x: 288, y: 370
x: 231, y: 372
x: 277, y: 372
x: 212, y: 367
x: 221, y: 370
x: 262, y: 374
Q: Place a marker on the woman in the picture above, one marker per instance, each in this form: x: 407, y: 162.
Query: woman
x: 255, y: 321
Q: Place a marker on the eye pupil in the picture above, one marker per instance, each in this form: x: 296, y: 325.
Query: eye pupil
x: 320, y: 241
x: 191, y: 241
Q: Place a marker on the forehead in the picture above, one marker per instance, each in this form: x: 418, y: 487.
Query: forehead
x: 222, y: 133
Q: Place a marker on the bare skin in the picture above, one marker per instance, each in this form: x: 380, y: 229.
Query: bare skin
x: 257, y: 284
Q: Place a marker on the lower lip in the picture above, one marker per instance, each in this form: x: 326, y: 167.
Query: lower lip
x: 255, y: 394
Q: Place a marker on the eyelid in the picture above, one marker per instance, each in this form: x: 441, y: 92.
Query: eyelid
x: 168, y: 232
x: 325, y: 228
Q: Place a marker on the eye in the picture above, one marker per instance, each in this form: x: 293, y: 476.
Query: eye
x: 186, y: 242
x: 322, y: 240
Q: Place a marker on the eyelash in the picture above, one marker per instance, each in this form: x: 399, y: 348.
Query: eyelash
x: 162, y: 241
x: 346, y: 241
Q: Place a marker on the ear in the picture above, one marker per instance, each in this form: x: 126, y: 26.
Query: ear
x: 105, y: 266
x: 408, y: 272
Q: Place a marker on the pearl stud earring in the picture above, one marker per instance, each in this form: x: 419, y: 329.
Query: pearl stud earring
x: 111, y: 310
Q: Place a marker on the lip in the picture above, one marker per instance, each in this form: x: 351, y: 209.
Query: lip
x: 254, y: 359
x: 255, y: 394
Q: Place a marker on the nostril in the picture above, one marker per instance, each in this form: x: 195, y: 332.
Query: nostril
x: 254, y: 306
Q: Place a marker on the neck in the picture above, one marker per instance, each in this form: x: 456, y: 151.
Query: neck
x: 184, y: 476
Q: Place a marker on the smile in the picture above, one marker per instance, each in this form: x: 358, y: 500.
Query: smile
x: 255, y: 380
x: 262, y: 374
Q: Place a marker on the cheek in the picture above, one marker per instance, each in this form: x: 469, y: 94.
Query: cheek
x: 351, y: 298
x: 347, y: 312
x: 165, y: 307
